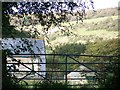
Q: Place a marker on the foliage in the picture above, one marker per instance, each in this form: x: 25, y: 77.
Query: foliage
x: 108, y: 24
x: 97, y: 13
x: 56, y: 85
x: 76, y: 48
x: 73, y: 48
x: 48, y: 13
x: 113, y: 76
x: 109, y: 47
x: 102, y: 13
x: 7, y: 29
x: 47, y: 84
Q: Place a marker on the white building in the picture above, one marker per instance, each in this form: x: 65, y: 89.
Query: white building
x: 80, y: 77
x: 21, y: 46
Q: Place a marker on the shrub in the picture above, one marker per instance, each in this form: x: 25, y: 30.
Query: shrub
x: 49, y: 84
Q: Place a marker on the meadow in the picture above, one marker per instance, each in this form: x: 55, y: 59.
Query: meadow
x: 83, y: 34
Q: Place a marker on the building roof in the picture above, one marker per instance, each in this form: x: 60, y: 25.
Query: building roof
x: 81, y: 74
x: 22, y: 45
x: 74, y: 74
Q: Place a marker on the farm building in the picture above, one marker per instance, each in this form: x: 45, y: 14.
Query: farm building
x: 25, y: 46
x: 80, y: 77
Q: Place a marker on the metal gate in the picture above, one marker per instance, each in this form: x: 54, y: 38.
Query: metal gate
x: 59, y: 67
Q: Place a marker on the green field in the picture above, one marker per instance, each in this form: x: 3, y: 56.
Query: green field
x: 83, y: 35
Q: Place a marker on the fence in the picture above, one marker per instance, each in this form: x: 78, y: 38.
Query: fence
x: 59, y: 67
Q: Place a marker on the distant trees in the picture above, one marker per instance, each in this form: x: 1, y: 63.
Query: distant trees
x: 109, y: 24
x: 102, y: 13
x: 97, y: 13
x: 108, y: 47
x: 73, y: 48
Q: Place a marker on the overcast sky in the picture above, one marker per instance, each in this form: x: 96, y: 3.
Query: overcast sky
x: 105, y: 3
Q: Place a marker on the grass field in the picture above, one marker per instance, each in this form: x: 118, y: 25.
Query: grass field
x: 83, y: 35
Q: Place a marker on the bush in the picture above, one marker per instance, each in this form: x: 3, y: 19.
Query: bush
x: 49, y: 84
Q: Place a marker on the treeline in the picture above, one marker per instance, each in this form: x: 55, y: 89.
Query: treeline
x: 76, y: 48
x: 107, y: 47
x: 96, y: 14
x: 109, y: 24
x: 101, y: 13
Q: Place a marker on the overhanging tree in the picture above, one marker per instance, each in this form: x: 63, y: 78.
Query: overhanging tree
x: 45, y: 13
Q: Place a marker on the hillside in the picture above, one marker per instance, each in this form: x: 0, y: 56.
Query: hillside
x: 102, y: 13
x: 97, y: 13
x: 91, y: 30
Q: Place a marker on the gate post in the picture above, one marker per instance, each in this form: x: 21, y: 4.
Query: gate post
x: 66, y: 70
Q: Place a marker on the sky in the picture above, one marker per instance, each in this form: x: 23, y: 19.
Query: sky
x: 99, y: 4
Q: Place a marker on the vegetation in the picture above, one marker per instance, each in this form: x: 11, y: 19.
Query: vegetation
x: 90, y: 30
x: 107, y: 23
x: 9, y: 30
x: 102, y: 13
x: 70, y: 48
x: 108, y: 47
x: 107, y: 12
x: 46, y: 19
x: 93, y: 31
x: 105, y: 48
x: 47, y: 84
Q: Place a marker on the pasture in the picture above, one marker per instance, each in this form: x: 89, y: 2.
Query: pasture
x: 83, y: 35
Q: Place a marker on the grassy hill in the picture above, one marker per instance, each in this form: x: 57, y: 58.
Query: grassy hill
x: 102, y: 13
x: 91, y: 30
